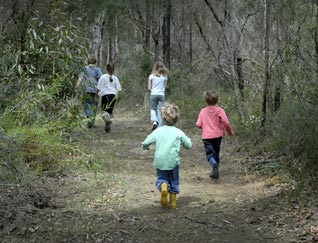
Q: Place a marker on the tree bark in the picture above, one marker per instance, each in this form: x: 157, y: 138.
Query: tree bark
x: 190, y: 45
x: 239, y: 71
x: 97, y: 37
x: 148, y: 28
x: 166, y: 28
x: 316, y: 37
x: 266, y: 61
x: 112, y: 39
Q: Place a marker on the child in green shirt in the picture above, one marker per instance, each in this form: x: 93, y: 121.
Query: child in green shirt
x: 168, y: 139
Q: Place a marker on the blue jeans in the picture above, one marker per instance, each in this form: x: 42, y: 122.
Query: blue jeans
x: 212, y: 148
x: 156, y: 102
x: 171, y: 177
x: 90, y: 106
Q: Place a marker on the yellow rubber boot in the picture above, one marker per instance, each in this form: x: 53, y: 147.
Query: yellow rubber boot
x: 173, y: 200
x: 164, y: 194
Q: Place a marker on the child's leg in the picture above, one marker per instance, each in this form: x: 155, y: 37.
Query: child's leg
x: 161, y: 100
x: 212, y: 150
x: 173, y: 200
x: 107, y: 110
x: 163, y: 186
x: 153, y: 108
x: 174, y: 186
x: 164, y: 194
x: 90, y: 108
x: 216, y: 143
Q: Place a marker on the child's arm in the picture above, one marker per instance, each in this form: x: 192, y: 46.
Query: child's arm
x: 148, y: 141
x: 186, y: 141
x: 199, y: 121
x: 226, y: 123
x: 229, y: 129
x: 149, y: 84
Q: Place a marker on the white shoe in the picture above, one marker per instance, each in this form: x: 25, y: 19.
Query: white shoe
x: 154, y: 125
x: 106, y: 116
x: 107, y: 120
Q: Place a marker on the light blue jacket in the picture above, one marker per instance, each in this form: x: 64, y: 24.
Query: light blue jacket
x: 168, y: 141
x: 91, y: 77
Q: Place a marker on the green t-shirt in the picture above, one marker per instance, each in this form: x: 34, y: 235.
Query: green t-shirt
x: 168, y: 140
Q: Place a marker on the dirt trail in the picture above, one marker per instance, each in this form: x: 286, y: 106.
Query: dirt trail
x: 119, y: 203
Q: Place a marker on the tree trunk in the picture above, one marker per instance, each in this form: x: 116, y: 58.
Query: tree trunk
x: 266, y: 60
x: 147, y: 30
x: 97, y: 34
x: 239, y: 71
x: 112, y: 39
x: 155, y: 33
x: 190, y: 45
x: 166, y: 33
x: 316, y: 37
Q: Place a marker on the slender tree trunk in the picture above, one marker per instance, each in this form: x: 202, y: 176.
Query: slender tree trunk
x: 239, y: 71
x: 190, y: 45
x: 166, y: 33
x: 316, y: 37
x: 112, y: 39
x: 155, y: 32
x: 281, y: 38
x: 157, y: 50
x: 148, y: 28
x: 266, y: 60
x: 97, y: 34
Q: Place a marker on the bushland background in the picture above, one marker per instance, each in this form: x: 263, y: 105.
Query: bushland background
x: 260, y: 56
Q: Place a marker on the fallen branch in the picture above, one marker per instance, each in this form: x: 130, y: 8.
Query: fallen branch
x: 147, y: 226
x: 116, y: 218
x: 201, y: 222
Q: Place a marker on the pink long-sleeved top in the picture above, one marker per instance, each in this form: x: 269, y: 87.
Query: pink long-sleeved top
x: 213, y: 121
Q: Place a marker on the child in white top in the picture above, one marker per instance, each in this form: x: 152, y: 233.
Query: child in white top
x: 157, y: 83
x: 107, y: 88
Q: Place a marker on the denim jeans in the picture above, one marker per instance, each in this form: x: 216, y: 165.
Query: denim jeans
x: 171, y: 177
x: 90, y: 106
x: 156, y: 102
x: 212, y: 148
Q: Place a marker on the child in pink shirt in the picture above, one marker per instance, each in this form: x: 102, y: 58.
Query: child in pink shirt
x: 213, y: 121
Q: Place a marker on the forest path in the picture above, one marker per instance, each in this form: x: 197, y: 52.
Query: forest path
x: 119, y: 203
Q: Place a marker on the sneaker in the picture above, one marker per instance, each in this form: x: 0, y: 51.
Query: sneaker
x: 107, y: 120
x: 154, y: 125
x: 215, y: 172
x: 213, y: 162
x: 107, y: 128
x: 106, y: 116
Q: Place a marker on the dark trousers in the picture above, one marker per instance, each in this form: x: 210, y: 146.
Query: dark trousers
x: 212, y: 148
x: 108, y: 103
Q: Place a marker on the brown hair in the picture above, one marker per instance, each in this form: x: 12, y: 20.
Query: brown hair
x: 110, y: 69
x: 210, y: 96
x: 160, y: 69
x: 170, y: 114
x: 92, y: 60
